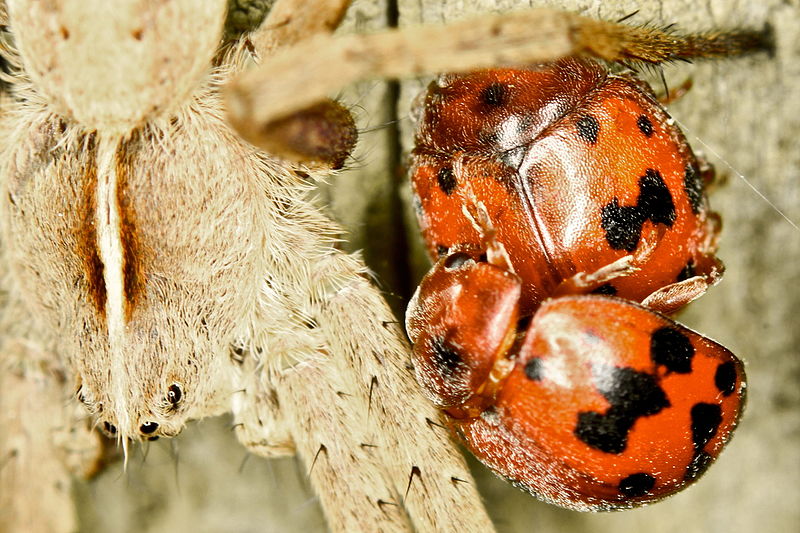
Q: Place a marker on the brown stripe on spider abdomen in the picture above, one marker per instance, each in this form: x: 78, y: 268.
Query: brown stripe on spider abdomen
x: 133, y: 285
x: 86, y: 233
x: 88, y: 250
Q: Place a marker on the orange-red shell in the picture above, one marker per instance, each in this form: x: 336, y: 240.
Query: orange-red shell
x: 575, y: 167
x: 609, y: 405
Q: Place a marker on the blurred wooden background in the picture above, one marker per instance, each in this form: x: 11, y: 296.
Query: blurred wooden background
x: 743, y: 114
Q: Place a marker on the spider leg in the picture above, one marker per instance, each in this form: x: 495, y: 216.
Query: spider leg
x: 280, y: 85
x: 324, y: 132
x: 417, y: 454
x: 46, y: 438
x: 292, y: 21
x: 258, y: 420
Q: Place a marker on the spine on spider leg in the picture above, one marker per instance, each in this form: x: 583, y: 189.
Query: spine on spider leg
x: 621, y: 43
x: 343, y: 456
x: 428, y: 476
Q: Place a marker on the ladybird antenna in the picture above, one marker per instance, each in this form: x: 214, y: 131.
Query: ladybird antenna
x: 741, y: 177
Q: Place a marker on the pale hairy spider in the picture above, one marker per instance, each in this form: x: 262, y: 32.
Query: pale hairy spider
x: 159, y: 269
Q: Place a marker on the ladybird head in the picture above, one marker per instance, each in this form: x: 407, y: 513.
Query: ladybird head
x: 462, y: 321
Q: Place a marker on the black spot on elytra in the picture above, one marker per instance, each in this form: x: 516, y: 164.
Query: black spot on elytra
x: 645, y: 126
x: 623, y: 224
x: 494, y: 95
x: 446, y: 180
x: 607, y: 289
x: 725, y: 378
x: 632, y: 395
x: 672, y: 349
x: 693, y: 186
x: 687, y: 271
x: 700, y: 463
x: 533, y: 369
x: 446, y: 357
x: 441, y: 250
x: 637, y: 485
x: 655, y: 200
x: 588, y: 129
x: 706, y: 418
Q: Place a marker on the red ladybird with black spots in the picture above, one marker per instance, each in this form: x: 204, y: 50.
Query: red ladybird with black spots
x: 578, y: 170
x: 569, y: 218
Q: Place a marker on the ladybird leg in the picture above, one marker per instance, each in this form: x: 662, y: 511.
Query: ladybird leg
x: 475, y: 211
x: 667, y: 300
x: 676, y: 93
x: 706, y: 273
x: 710, y: 179
x: 586, y: 282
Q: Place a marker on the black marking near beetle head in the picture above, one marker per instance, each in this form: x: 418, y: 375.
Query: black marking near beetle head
x: 494, y: 95
x: 588, y: 129
x: 688, y: 271
x: 446, y: 180
x: 606, y: 289
x: 446, y: 357
x: 645, y: 125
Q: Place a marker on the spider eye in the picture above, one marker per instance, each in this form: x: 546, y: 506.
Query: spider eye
x: 174, y: 394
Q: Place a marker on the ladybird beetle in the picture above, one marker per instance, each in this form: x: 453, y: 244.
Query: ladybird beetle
x: 593, y: 403
x: 569, y: 217
x: 577, y: 168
